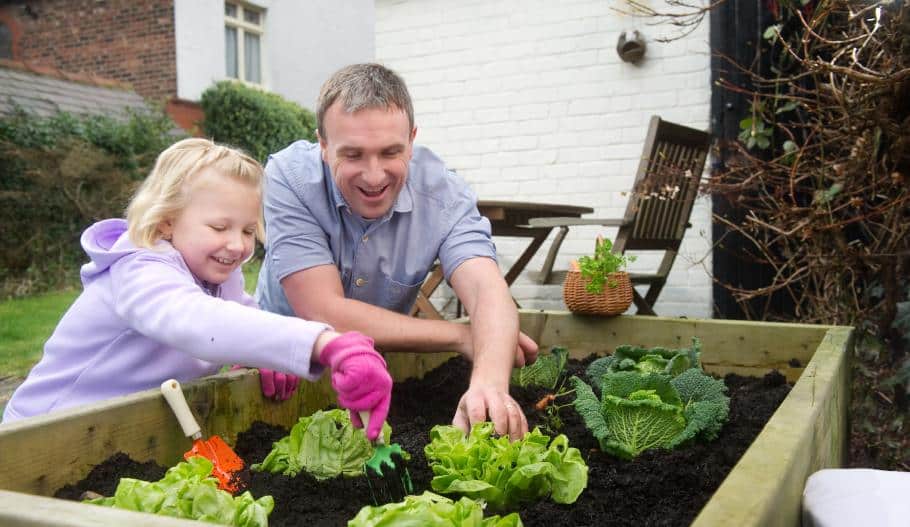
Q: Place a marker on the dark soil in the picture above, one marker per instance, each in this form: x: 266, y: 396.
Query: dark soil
x: 657, y: 488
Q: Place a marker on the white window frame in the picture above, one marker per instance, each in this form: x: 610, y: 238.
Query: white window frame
x: 242, y: 27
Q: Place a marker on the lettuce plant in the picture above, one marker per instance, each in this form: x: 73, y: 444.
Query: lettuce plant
x: 432, y: 510
x: 544, y: 372
x: 639, y: 411
x: 670, y: 362
x: 501, y: 472
x: 324, y: 444
x: 188, y: 490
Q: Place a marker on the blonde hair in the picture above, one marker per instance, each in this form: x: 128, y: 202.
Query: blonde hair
x: 164, y: 194
x: 361, y: 86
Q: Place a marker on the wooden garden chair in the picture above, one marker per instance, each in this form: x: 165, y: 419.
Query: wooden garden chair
x: 659, y: 207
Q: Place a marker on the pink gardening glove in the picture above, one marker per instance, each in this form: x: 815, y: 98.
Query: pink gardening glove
x: 275, y: 384
x: 360, y: 378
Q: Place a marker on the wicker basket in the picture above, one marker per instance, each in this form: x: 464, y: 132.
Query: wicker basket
x: 612, y: 301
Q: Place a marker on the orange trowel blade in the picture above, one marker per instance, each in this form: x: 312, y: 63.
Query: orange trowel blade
x: 227, y: 465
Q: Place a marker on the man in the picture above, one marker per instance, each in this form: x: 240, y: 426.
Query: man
x: 354, y: 224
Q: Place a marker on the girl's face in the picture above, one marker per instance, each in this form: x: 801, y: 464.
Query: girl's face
x: 215, y: 232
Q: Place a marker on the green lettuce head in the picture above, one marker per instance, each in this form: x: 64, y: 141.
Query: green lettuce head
x: 324, y: 445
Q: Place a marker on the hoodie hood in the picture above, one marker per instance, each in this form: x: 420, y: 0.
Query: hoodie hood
x: 105, y: 242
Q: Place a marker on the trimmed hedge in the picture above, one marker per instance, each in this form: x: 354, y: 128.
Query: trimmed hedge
x: 259, y: 122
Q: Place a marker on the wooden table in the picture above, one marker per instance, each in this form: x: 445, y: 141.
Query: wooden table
x: 509, y: 218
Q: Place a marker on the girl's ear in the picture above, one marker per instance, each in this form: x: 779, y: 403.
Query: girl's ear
x: 166, y: 228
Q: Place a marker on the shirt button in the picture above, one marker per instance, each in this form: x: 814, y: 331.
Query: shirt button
x: 359, y: 282
x: 365, y: 238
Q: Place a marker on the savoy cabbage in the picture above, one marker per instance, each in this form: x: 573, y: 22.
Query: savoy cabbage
x: 544, y: 372
x: 666, y: 361
x: 638, y: 411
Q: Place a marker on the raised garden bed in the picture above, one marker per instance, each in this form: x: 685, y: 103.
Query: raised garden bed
x: 657, y: 488
x: 807, y: 432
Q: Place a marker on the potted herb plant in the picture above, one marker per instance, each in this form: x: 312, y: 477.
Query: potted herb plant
x: 599, y: 284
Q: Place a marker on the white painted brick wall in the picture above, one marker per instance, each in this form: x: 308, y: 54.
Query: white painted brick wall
x: 528, y: 101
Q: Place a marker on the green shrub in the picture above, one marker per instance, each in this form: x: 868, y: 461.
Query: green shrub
x: 259, y: 122
x: 58, y: 175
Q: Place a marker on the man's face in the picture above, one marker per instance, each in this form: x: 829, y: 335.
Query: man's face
x: 368, y: 152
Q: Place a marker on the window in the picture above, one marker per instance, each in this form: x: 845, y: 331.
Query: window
x: 6, y: 42
x: 243, y: 42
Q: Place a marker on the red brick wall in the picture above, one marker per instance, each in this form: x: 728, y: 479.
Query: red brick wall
x: 128, y: 40
x: 187, y: 115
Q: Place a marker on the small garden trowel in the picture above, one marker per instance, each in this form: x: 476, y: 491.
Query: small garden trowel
x: 228, y: 467
x: 387, y: 471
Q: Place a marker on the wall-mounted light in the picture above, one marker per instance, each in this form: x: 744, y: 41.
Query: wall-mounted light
x: 631, y: 46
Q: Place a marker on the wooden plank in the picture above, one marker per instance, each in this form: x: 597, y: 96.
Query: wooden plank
x: 422, y: 305
x: 62, y: 447
x: 550, y: 259
x: 728, y: 345
x: 560, y: 221
x: 35, y: 511
x: 808, y: 432
x: 534, y: 209
x: 526, y: 256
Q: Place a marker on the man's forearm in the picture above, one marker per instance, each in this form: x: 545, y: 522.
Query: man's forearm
x: 393, y: 331
x: 494, y: 332
x: 494, y: 321
x: 316, y: 294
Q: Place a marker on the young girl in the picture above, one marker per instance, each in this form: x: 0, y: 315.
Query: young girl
x: 163, y: 298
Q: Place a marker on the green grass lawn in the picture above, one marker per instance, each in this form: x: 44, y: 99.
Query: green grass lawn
x: 26, y: 323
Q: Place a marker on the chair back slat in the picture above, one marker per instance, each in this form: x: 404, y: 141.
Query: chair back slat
x: 665, y: 186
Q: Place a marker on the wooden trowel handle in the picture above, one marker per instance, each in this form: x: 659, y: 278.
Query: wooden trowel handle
x: 365, y: 419
x: 173, y: 394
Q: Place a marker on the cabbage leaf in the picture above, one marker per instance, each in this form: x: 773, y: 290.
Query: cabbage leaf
x: 670, y: 362
x: 544, y: 372
x: 638, y: 411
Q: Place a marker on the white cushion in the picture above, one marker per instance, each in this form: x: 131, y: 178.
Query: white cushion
x: 857, y: 496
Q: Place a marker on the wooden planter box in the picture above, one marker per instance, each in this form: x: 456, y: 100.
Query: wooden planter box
x: 808, y: 432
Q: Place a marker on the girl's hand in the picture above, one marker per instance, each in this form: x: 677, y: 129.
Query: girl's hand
x: 275, y: 384
x: 360, y: 378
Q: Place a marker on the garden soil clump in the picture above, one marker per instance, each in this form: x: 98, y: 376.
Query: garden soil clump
x: 657, y: 488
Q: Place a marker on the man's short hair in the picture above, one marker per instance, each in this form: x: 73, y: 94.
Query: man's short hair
x: 360, y: 86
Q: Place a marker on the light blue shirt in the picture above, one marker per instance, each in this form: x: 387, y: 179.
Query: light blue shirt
x: 382, y: 262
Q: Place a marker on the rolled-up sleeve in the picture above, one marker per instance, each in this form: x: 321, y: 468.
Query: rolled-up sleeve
x: 296, y: 240
x: 470, y: 235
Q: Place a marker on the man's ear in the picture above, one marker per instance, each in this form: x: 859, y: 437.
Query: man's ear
x: 413, y: 134
x: 323, y: 146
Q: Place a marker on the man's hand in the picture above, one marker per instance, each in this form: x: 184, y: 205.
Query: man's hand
x: 525, y: 353
x: 480, y: 402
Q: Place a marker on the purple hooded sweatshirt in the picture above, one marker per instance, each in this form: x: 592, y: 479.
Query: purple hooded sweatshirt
x: 143, y: 318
